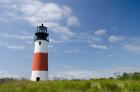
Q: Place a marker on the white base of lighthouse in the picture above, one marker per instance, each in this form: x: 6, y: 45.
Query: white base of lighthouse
x: 39, y: 75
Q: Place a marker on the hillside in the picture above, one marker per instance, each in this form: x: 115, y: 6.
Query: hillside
x: 122, y: 84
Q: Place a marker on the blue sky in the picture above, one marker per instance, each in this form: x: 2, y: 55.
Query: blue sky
x: 88, y: 38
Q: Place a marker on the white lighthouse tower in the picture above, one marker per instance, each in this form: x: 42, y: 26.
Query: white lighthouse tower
x: 40, y: 59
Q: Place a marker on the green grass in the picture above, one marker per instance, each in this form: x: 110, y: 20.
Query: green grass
x: 99, y: 85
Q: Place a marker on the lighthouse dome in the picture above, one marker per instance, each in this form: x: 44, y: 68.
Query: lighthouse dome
x: 41, y: 33
x: 41, y: 29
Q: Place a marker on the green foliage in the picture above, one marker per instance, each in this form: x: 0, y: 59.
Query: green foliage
x: 130, y: 76
x: 125, y: 83
x: 103, y: 85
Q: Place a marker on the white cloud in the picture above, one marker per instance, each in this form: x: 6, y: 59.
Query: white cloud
x: 50, y: 14
x: 77, y: 74
x: 98, y: 46
x: 72, y: 50
x: 108, y: 72
x: 37, y: 12
x: 83, y: 37
x: 9, y: 46
x: 97, y: 39
x: 18, y: 36
x: 115, y: 38
x: 15, y: 47
x: 100, y: 32
x: 4, y: 74
x: 131, y: 45
x: 134, y: 48
x: 62, y: 33
x: 72, y: 21
x: 70, y: 72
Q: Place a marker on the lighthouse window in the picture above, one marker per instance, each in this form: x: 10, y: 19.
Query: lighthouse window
x: 39, y: 43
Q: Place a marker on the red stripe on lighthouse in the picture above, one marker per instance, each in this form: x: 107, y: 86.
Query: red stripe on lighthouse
x: 40, y: 61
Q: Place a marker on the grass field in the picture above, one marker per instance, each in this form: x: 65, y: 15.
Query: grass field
x: 98, y: 85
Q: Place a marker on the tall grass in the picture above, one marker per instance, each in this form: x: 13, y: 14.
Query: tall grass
x: 99, y: 85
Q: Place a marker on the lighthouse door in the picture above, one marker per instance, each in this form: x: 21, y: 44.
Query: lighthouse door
x: 37, y: 78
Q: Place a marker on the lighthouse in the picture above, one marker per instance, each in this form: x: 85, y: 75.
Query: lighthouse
x: 40, y: 58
